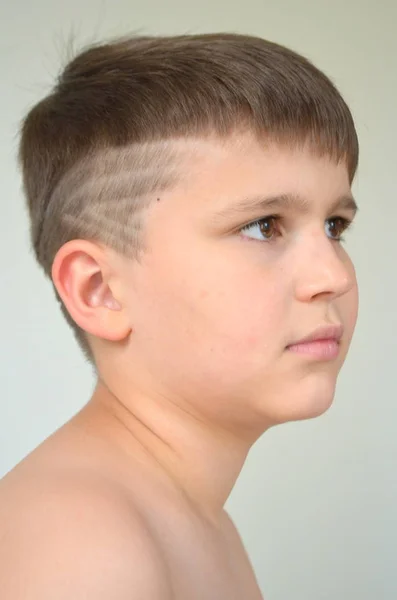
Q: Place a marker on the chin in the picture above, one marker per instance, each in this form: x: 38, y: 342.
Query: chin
x: 307, y: 401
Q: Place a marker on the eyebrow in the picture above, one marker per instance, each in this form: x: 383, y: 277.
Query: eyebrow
x: 282, y: 201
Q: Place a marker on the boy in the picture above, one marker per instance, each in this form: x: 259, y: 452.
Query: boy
x: 188, y: 197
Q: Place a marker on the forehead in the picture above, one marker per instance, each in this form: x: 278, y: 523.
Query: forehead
x: 215, y: 174
x: 210, y: 164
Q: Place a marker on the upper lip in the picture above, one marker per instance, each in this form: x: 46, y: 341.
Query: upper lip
x: 324, y: 332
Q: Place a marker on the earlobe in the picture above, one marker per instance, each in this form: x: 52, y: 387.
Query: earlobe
x: 81, y: 276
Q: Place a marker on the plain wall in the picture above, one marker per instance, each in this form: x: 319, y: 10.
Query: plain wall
x: 316, y: 502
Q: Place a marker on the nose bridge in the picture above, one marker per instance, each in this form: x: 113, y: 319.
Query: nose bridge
x: 322, y: 268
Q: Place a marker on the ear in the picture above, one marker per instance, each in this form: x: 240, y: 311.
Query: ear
x: 84, y: 280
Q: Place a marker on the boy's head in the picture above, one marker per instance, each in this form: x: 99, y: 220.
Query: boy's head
x: 133, y: 169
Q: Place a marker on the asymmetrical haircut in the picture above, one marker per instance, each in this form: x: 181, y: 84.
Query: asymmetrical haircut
x: 95, y: 152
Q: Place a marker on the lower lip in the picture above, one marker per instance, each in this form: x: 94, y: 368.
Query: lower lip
x: 319, y: 349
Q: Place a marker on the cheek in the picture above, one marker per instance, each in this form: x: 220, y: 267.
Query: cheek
x: 347, y: 307
x: 212, y: 316
x: 240, y: 314
x: 352, y: 309
x: 352, y: 300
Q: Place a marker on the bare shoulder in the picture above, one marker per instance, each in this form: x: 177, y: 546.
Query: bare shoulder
x: 76, y: 537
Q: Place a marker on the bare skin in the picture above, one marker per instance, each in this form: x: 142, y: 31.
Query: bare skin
x: 193, y: 350
x: 79, y: 491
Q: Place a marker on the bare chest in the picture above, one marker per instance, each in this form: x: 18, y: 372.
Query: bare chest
x: 212, y: 577
x: 208, y: 565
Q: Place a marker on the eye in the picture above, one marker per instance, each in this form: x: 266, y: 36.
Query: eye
x: 336, y: 226
x: 265, y: 229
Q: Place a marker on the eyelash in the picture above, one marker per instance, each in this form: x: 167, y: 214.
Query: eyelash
x: 345, y: 224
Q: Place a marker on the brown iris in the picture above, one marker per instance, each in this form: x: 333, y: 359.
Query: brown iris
x: 268, y: 227
x: 336, y: 226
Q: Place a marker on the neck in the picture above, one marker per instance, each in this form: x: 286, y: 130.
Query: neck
x: 201, y: 460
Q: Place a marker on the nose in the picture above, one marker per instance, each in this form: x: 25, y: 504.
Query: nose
x: 324, y: 270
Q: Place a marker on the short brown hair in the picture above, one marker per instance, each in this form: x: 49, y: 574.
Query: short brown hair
x: 134, y: 93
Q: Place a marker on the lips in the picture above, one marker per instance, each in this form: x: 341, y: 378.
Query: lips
x: 322, y: 333
x: 322, y: 344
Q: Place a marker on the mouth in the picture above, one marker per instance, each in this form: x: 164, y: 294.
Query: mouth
x: 322, y: 344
